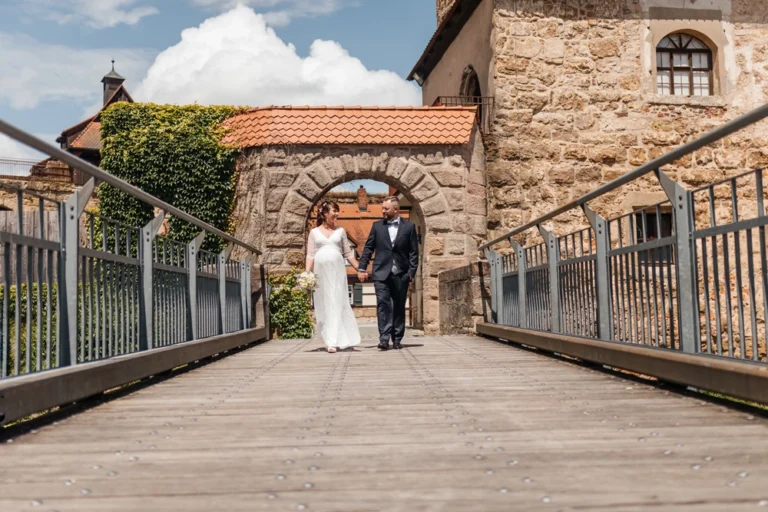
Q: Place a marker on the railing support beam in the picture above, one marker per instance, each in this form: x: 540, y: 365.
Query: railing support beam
x: 146, y: 328
x: 222, y: 272
x: 521, y: 287
x: 686, y: 281
x: 553, y: 258
x: 192, y: 248
x: 602, y: 274
x: 68, y: 291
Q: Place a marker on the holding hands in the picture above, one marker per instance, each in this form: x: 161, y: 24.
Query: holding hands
x: 362, y: 275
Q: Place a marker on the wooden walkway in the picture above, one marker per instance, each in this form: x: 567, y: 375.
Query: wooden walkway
x: 462, y: 424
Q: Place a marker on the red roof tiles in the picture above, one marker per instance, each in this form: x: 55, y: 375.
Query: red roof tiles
x: 351, y: 125
x: 89, y: 138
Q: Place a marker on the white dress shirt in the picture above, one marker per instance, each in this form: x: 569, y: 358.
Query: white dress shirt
x: 392, y: 227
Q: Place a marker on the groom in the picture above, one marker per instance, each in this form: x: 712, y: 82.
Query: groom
x: 396, y: 245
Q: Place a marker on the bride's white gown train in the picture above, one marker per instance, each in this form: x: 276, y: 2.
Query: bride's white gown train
x: 336, y: 322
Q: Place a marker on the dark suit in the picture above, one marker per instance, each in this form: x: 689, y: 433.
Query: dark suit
x: 391, y: 287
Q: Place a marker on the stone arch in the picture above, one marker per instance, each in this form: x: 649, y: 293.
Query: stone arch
x: 444, y: 184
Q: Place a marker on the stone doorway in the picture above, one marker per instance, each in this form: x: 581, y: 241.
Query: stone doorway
x: 436, y: 161
x: 360, y: 203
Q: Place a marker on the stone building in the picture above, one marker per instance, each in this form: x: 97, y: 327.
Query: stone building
x: 584, y: 91
x: 292, y: 156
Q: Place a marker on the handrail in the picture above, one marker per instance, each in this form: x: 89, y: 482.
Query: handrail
x: 718, y: 133
x: 90, y: 169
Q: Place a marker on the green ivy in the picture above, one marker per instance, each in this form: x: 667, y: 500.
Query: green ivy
x: 174, y: 153
x: 289, y: 309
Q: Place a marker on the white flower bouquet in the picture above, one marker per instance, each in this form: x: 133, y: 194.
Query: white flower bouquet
x: 306, y: 281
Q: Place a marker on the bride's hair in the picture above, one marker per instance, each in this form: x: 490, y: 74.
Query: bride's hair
x: 324, y: 209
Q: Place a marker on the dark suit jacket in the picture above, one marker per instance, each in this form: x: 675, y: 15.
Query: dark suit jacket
x: 404, y: 252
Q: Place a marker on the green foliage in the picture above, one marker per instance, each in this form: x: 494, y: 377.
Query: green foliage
x: 29, y: 323
x: 289, y: 308
x: 174, y: 153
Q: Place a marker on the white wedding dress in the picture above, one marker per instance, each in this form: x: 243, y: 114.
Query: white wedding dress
x: 335, y: 320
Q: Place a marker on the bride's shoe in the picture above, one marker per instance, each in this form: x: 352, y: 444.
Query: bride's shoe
x: 331, y: 350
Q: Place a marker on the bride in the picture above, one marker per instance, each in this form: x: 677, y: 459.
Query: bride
x: 327, y: 248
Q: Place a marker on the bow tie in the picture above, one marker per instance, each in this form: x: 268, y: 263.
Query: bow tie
x: 392, y: 222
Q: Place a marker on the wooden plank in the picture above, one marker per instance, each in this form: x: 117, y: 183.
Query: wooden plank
x: 446, y: 424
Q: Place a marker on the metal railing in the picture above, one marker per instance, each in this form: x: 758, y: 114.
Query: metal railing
x: 77, y: 287
x: 16, y: 167
x: 484, y: 104
x: 689, y: 274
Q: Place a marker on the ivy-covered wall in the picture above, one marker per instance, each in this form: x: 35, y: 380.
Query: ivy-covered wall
x: 174, y: 153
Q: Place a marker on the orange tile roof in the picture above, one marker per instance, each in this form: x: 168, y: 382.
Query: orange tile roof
x: 351, y: 125
x: 89, y: 138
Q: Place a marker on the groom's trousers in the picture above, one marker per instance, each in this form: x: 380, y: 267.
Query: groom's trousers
x: 391, y: 296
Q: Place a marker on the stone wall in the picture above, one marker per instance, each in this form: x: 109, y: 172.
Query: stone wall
x: 575, y: 106
x: 54, y: 190
x: 277, y: 187
x: 464, y: 298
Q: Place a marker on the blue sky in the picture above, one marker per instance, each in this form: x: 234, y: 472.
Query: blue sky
x: 53, y: 54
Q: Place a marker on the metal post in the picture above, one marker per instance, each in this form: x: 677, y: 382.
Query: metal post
x: 265, y: 291
x: 603, y: 285
x: 490, y: 255
x: 223, y: 257
x: 192, y: 248
x: 248, y: 291
x: 68, y: 294
x: 244, y: 264
x: 553, y: 257
x: 521, y: 289
x: 148, y: 234
x: 686, y: 283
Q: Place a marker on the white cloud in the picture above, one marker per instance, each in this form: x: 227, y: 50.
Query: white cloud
x: 94, y: 13
x: 278, y: 12
x: 235, y: 58
x: 36, y: 72
x: 10, y: 148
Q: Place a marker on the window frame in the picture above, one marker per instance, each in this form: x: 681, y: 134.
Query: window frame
x: 690, y: 69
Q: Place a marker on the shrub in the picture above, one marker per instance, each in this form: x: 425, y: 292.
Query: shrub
x: 289, y: 308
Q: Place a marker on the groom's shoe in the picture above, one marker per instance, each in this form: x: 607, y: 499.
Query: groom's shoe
x: 396, y: 346
x: 383, y: 345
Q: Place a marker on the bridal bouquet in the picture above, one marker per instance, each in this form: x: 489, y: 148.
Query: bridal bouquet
x: 306, y: 281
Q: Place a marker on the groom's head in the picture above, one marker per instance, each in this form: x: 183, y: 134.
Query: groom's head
x: 390, y: 208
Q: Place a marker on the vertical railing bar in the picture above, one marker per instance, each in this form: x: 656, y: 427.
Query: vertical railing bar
x: 752, y: 296
x: 5, y: 343
x: 716, y: 272
x: 665, y: 266
x: 646, y: 297
x: 633, y: 282
x: 737, y: 265
x: 707, y: 311
x: 100, y: 342
x: 39, y: 256
x: 728, y: 303
x: 761, y: 234
x: 84, y: 355
x: 50, y: 262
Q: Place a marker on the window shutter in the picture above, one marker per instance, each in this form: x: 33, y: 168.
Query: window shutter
x: 358, y: 294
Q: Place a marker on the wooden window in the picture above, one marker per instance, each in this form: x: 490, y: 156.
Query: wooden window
x: 358, y: 295
x: 683, y: 67
x: 655, y: 227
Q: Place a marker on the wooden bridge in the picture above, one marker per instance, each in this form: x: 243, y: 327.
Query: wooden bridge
x: 448, y: 423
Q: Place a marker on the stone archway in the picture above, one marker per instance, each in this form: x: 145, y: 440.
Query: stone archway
x: 446, y: 184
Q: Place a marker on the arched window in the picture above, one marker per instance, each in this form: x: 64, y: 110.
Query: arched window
x: 472, y: 94
x: 683, y: 66
x: 470, y: 83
